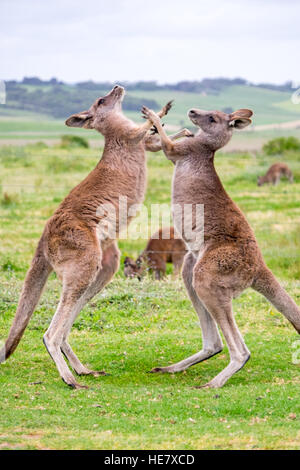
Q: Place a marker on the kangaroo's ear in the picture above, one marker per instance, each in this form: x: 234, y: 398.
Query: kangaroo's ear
x: 240, y: 118
x: 240, y: 123
x: 128, y: 261
x: 242, y: 113
x: 83, y: 119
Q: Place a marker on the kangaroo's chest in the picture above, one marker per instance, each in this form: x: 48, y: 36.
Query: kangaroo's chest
x: 122, y: 202
x: 188, y: 209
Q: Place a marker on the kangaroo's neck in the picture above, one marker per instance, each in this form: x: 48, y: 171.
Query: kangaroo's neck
x: 196, y: 179
x: 119, y: 151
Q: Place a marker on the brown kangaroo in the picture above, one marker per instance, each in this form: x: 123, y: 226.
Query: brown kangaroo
x: 74, y: 244
x: 162, y: 248
x: 229, y: 259
x: 274, y: 174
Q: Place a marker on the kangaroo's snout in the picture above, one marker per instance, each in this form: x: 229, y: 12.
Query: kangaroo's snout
x: 118, y: 90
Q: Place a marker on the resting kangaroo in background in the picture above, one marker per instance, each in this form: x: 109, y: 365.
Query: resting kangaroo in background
x: 73, y: 243
x: 229, y: 259
x: 274, y: 173
x: 158, y: 252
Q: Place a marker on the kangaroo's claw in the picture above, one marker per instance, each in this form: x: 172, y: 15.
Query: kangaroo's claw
x: 145, y: 112
x: 168, y: 106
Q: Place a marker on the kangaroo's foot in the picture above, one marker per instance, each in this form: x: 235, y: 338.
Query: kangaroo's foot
x: 190, y: 361
x: 94, y: 373
x: 75, y: 363
x: 75, y: 385
x: 232, y: 368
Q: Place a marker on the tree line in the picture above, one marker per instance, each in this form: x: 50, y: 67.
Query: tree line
x: 58, y: 99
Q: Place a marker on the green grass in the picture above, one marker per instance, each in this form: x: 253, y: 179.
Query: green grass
x: 132, y: 326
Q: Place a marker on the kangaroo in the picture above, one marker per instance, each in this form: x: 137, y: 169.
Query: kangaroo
x: 229, y: 259
x: 74, y: 243
x: 274, y: 174
x: 162, y: 248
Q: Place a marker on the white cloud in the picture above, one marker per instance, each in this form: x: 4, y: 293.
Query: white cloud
x: 165, y: 40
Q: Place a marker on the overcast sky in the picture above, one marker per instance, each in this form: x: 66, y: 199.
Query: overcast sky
x: 163, y: 40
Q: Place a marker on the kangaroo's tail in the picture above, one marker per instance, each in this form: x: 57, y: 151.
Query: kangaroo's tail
x: 267, y: 285
x: 34, y: 282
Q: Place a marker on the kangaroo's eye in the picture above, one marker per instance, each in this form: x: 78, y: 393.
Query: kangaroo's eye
x: 101, y: 101
x: 211, y: 119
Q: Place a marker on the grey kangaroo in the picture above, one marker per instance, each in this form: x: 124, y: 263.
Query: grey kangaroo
x: 274, y: 174
x: 229, y: 259
x: 74, y: 243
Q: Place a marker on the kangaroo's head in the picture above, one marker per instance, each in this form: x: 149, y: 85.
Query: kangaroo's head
x: 133, y: 268
x: 260, y: 180
x: 100, y: 111
x: 217, y: 127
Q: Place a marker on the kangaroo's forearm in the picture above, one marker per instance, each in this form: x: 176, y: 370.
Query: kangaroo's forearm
x: 166, y: 142
x: 153, y: 142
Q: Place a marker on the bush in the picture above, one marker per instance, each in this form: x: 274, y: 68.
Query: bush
x: 73, y: 141
x: 281, y: 145
x: 37, y: 146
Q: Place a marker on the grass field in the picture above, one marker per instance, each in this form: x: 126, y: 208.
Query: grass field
x: 133, y: 326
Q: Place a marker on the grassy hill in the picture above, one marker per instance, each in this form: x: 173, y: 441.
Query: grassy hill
x: 33, y: 116
x: 269, y: 106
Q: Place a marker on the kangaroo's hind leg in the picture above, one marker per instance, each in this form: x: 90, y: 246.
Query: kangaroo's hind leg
x: 216, y: 293
x: 110, y: 264
x: 78, y: 271
x: 75, y: 284
x: 212, y: 343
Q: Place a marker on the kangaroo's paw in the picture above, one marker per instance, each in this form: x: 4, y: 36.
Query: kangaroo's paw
x: 188, y: 133
x: 167, y: 107
x: 149, y: 114
x: 145, y: 112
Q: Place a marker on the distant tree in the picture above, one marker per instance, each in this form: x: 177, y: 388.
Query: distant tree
x: 147, y: 86
x: 32, y: 81
x: 60, y: 101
